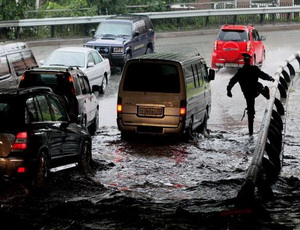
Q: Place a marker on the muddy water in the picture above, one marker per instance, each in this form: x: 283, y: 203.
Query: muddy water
x: 165, y: 183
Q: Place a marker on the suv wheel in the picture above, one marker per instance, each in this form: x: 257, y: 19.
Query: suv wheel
x: 102, y: 88
x: 94, y: 126
x: 42, y: 172
x: 86, y: 157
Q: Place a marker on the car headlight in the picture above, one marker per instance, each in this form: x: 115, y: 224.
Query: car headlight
x: 118, y: 50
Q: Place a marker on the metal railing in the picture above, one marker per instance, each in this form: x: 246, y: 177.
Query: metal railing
x: 267, y: 158
x: 210, y: 16
x: 153, y: 15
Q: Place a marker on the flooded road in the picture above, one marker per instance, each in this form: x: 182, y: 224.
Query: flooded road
x: 167, y: 183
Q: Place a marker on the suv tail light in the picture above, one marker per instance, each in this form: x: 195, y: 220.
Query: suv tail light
x: 248, y: 46
x: 119, y: 105
x: 20, y: 141
x: 215, y: 45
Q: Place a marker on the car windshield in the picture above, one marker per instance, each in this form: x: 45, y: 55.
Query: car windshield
x: 114, y: 28
x: 66, y: 58
x: 149, y: 77
x: 233, y: 35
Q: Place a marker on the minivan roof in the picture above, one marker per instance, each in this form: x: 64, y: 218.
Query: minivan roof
x: 171, y: 57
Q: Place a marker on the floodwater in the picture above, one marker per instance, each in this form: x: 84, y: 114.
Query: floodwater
x: 167, y: 183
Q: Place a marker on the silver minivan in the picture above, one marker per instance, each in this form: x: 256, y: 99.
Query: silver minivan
x: 166, y: 93
x: 15, y: 58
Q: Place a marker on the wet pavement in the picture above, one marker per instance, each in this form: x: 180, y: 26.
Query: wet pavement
x: 168, y: 183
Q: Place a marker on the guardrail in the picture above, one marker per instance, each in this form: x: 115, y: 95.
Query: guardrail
x: 287, y: 12
x: 153, y: 15
x: 267, y: 158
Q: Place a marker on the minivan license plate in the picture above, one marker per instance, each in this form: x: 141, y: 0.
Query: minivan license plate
x: 150, y: 111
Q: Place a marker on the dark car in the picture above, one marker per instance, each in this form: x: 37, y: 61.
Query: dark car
x: 37, y: 136
x: 122, y: 37
x: 72, y: 84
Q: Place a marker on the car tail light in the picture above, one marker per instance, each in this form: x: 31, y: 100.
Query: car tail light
x: 215, y: 45
x: 70, y: 79
x: 22, y: 78
x: 20, y: 141
x: 119, y: 105
x: 182, y: 110
x: 22, y: 170
x: 248, y: 46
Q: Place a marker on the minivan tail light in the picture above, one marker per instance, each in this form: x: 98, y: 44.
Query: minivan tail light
x: 20, y: 141
x: 119, y: 105
x: 182, y: 110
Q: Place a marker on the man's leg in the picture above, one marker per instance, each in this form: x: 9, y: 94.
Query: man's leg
x: 263, y: 90
x: 251, y: 112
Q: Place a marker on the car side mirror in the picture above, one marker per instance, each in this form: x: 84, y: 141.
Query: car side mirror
x: 211, y: 74
x: 90, y: 65
x: 136, y: 33
x: 262, y: 38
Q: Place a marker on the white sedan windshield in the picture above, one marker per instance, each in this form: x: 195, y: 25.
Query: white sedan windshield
x: 66, y: 58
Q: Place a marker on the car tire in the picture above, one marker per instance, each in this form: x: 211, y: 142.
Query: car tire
x: 103, y: 86
x: 203, y: 127
x: 86, y: 157
x: 95, y: 125
x: 42, y: 172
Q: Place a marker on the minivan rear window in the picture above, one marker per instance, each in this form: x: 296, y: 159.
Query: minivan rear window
x: 152, y: 77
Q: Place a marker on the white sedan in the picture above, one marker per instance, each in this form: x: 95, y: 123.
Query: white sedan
x: 88, y: 60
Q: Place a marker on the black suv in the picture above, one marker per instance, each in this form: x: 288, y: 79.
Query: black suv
x: 122, y: 37
x: 37, y: 135
x: 73, y: 85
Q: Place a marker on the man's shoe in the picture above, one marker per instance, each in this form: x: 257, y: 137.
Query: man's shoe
x: 266, y: 92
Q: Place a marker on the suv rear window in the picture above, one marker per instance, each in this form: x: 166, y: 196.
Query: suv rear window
x: 10, y: 113
x: 233, y: 35
x: 152, y: 77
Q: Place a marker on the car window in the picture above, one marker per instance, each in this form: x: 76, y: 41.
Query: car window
x: 156, y: 78
x: 96, y: 57
x: 85, y: 89
x: 255, y: 35
x: 114, y: 28
x: 140, y: 26
x: 33, y: 111
x: 21, y: 61
x: 66, y: 58
x: 58, y: 111
x: 44, y: 108
x: 91, y: 58
x: 233, y: 35
x: 4, y: 68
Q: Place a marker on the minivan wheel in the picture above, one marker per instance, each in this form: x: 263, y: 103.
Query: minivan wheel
x: 102, y: 88
x: 203, y: 127
x: 190, y: 133
x: 42, y: 172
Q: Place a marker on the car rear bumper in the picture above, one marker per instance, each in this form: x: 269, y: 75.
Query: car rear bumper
x: 9, y: 167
